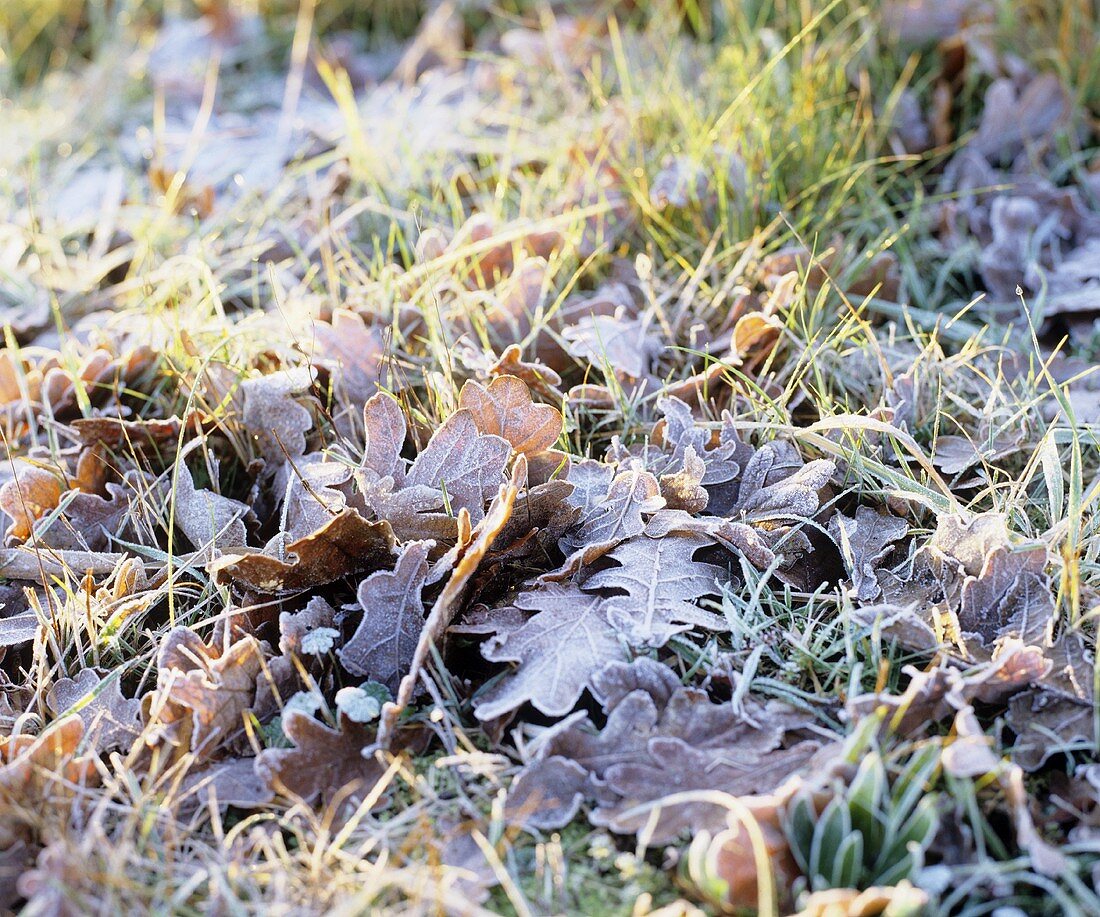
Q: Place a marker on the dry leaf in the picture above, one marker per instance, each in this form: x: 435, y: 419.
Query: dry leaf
x: 346, y: 544
x: 274, y: 417
x: 1056, y: 714
x: 624, y: 345
x: 211, y: 522
x: 355, y: 354
x: 385, y: 640
x: 653, y: 747
x: 505, y: 409
x: 202, y: 690
x: 26, y: 498
x: 110, y: 720
x: 324, y: 763
x: 661, y: 580
x: 864, y: 542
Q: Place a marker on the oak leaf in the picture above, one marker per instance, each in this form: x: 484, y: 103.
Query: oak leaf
x: 864, y: 542
x: 346, y: 544
x: 110, y: 720
x: 323, y: 763
x: 27, y: 497
x: 506, y: 409
x: 384, y: 642
x: 274, y: 416
x: 203, y: 690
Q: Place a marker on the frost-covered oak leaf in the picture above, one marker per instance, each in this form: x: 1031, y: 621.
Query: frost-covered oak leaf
x: 506, y: 409
x: 273, y: 415
x: 384, y: 642
x: 347, y: 543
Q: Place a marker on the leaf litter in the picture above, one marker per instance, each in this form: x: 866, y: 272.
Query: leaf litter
x: 495, y: 496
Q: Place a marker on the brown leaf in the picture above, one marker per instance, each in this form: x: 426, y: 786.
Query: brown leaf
x: 557, y: 651
x: 225, y: 783
x: 41, y: 771
x: 27, y: 497
x: 384, y: 643
x: 385, y: 428
x: 346, y: 544
x: 537, y: 376
x: 274, y: 417
x: 211, y: 522
x: 202, y: 690
x: 684, y: 490
x: 467, y: 465
x: 132, y: 435
x: 864, y: 542
x: 1056, y: 714
x: 610, y: 520
x: 505, y: 409
x: 354, y: 352
x: 624, y: 345
x: 936, y: 694
x: 324, y: 763
x: 661, y: 580
x: 110, y: 720
x: 295, y: 627
x: 467, y: 558
x: 651, y: 748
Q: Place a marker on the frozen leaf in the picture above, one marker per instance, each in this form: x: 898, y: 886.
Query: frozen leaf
x: 557, y: 652
x: 27, y: 497
x: 467, y: 465
x: 548, y: 794
x: 970, y: 753
x: 295, y: 627
x: 681, y: 181
x: 1056, y: 714
x: 537, y: 376
x: 131, y: 436
x: 274, y: 417
x: 864, y: 542
x: 385, y: 428
x: 1012, y: 120
x: 677, y: 432
x: 956, y: 454
x: 611, y: 520
x: 203, y: 690
x: 385, y: 640
x: 211, y: 522
x: 312, y: 493
x: 651, y: 748
x: 42, y: 566
x: 226, y: 783
x: 354, y: 352
x: 320, y: 642
x: 1011, y: 595
x: 323, y: 763
x: 938, y: 693
x: 777, y: 486
x: 623, y: 344
x: 684, y: 490
x: 466, y: 557
x: 505, y: 409
x: 347, y: 543
x: 110, y: 720
x: 618, y: 679
x: 661, y: 581
x: 88, y: 520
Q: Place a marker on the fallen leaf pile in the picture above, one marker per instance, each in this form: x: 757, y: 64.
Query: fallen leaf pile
x: 550, y: 503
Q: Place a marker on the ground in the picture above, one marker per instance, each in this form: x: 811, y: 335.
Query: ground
x: 549, y: 457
